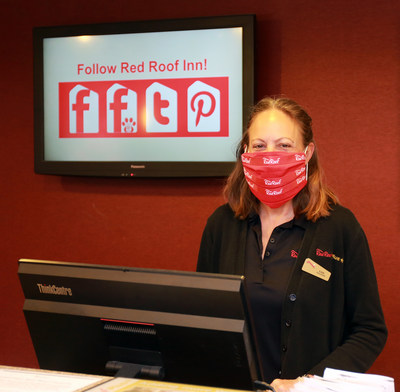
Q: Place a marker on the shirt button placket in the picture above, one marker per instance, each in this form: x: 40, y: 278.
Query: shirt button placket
x: 268, y: 252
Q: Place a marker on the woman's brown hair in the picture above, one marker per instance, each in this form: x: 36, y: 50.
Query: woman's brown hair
x: 314, y: 200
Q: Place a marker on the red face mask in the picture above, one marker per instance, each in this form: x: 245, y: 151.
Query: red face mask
x: 275, y: 177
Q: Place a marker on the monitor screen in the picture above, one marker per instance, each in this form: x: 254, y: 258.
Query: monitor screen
x: 150, y: 98
x: 183, y: 327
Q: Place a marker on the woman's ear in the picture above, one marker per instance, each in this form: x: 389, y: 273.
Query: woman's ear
x: 310, y: 151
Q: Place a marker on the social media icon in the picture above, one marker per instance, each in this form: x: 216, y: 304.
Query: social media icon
x: 161, y: 109
x: 204, y: 108
x: 83, y: 110
x: 121, y: 109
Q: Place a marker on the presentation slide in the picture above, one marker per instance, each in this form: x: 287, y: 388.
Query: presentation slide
x: 159, y: 96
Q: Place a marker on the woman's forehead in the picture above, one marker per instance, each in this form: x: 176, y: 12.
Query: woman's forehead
x: 274, y: 123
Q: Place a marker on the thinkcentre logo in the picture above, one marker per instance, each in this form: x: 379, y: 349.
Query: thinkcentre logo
x: 53, y: 289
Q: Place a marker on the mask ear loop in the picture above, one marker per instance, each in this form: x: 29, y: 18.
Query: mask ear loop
x: 305, y: 151
x: 245, y: 149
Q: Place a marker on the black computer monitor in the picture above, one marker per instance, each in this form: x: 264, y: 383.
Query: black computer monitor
x: 183, y: 327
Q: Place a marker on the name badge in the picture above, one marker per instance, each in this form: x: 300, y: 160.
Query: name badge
x: 315, y: 269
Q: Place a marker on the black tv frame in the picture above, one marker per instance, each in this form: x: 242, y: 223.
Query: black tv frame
x: 138, y: 168
x: 183, y: 327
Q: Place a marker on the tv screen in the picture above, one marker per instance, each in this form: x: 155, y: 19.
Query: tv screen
x: 148, y: 98
x: 183, y: 327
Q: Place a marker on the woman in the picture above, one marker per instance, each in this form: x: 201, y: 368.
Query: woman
x: 310, y: 277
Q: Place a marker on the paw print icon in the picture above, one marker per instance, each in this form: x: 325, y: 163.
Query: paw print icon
x: 128, y: 126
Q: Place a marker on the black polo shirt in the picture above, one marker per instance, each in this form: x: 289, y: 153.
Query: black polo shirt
x: 267, y: 280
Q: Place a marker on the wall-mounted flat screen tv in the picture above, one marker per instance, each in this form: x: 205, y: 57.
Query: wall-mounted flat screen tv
x: 164, y: 98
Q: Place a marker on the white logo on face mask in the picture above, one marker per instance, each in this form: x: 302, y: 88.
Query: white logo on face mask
x: 301, y: 179
x: 246, y: 160
x: 273, y: 193
x: 299, y: 171
x: 273, y: 182
x: 271, y: 161
x: 247, y: 174
x: 300, y: 157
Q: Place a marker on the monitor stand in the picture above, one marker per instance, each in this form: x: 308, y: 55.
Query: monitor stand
x: 134, y: 370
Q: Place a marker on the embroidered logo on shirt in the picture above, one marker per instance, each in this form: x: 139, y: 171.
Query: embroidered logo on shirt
x: 294, y: 254
x: 322, y: 253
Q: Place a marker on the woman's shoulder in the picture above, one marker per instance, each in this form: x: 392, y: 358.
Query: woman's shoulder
x: 341, y: 216
x: 340, y: 212
x: 223, y: 215
x: 223, y: 212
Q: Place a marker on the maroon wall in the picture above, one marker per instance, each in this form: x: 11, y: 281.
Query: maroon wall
x: 339, y: 58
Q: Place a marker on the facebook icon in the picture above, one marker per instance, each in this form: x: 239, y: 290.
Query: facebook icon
x: 83, y: 110
x: 121, y: 109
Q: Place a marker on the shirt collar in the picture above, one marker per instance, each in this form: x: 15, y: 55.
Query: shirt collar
x: 300, y: 221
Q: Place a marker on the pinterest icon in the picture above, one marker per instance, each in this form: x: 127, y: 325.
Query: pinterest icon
x: 204, y: 108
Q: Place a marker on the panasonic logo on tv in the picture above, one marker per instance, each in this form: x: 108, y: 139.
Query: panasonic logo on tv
x: 53, y: 289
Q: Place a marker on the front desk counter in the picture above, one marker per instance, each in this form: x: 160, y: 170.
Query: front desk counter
x: 14, y: 379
